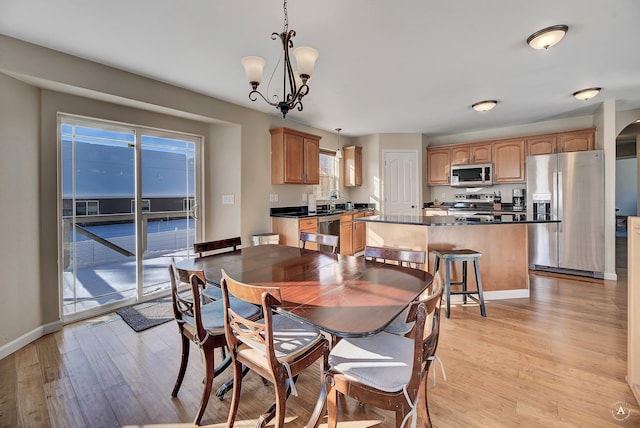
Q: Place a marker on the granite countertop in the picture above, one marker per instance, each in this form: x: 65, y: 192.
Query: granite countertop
x: 302, y: 212
x: 457, y: 221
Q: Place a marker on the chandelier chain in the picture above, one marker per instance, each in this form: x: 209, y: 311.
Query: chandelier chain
x: 286, y: 17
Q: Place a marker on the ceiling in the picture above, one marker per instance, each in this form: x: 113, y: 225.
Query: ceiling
x: 411, y: 66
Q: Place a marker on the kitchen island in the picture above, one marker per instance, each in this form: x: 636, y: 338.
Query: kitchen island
x: 502, y: 240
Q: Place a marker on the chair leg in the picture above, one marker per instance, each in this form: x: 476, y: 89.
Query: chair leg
x: 422, y: 394
x: 281, y: 403
x: 332, y: 403
x: 464, y: 281
x: 183, y: 365
x: 476, y: 266
x: 399, y: 418
x: 235, y: 398
x: 447, y: 284
x: 208, y: 352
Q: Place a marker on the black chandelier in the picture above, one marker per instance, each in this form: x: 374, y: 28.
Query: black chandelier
x: 295, y: 81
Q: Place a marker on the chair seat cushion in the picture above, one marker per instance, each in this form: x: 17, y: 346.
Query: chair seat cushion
x: 383, y: 361
x: 213, y: 292
x: 399, y: 325
x: 291, y: 338
x: 213, y: 314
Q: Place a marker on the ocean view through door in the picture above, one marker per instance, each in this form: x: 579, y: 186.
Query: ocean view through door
x: 128, y: 204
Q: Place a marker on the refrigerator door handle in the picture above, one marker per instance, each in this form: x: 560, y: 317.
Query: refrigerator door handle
x: 554, y: 194
x: 559, y: 198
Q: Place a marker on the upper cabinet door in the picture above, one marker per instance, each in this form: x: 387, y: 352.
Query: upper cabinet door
x: 295, y: 157
x: 480, y: 153
x: 312, y: 161
x: 576, y: 141
x: 352, y: 166
x: 543, y: 145
x: 509, y: 157
x: 460, y: 155
x: 438, y: 166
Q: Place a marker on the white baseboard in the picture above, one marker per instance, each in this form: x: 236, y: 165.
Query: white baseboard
x: 611, y: 276
x: 29, y: 337
x: 497, y: 295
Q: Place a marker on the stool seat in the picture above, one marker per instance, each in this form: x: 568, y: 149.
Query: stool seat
x: 464, y: 255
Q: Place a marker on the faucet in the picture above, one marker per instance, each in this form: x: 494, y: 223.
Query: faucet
x: 334, y: 196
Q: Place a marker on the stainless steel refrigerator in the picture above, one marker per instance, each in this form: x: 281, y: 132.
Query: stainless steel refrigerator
x: 569, y: 187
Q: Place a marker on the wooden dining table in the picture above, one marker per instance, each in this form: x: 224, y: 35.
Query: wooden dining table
x: 345, y: 296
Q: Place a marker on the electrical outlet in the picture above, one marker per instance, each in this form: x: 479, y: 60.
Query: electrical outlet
x: 228, y: 200
x: 304, y: 197
x: 275, y: 197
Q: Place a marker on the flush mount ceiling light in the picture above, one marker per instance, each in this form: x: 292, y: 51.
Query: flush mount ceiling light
x: 339, y: 151
x: 485, y: 105
x: 295, y: 81
x: 547, y: 37
x: 587, y: 94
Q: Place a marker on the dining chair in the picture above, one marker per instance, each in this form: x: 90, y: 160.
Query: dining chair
x: 202, y: 249
x: 386, y: 370
x: 201, y: 324
x: 276, y: 347
x: 409, y: 258
x: 320, y: 239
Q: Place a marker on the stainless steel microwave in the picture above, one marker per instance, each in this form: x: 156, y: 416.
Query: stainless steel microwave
x: 478, y: 175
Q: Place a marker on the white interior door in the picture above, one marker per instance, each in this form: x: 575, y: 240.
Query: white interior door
x: 401, y: 182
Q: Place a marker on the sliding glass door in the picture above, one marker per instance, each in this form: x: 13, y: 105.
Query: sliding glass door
x: 128, y: 198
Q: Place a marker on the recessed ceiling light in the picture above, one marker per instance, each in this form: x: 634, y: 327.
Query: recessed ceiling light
x: 587, y: 94
x: 485, y: 105
x: 547, y: 37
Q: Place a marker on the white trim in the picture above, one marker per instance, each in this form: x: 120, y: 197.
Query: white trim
x: 611, y: 276
x: 27, y: 338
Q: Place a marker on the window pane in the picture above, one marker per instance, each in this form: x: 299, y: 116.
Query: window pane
x: 328, y: 176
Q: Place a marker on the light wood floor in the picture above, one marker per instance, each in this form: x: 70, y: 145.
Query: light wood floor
x: 557, y: 359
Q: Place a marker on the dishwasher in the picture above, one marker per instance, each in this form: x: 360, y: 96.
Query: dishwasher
x: 329, y: 225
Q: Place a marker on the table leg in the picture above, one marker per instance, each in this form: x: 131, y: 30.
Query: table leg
x: 314, y: 421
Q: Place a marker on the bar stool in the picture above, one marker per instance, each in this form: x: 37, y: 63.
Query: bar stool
x: 464, y: 256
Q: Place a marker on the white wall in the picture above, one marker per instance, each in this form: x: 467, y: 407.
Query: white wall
x: 627, y: 187
x: 19, y: 216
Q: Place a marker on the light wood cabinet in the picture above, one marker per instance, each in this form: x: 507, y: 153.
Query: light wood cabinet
x: 346, y: 234
x: 471, y: 154
x: 295, y: 157
x: 289, y: 230
x: 509, y: 161
x: 563, y: 142
x: 353, y: 234
x: 542, y: 145
x: 460, y: 155
x: 352, y: 166
x: 576, y: 141
x: 480, y: 153
x: 359, y: 233
x: 434, y: 211
x: 438, y: 166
